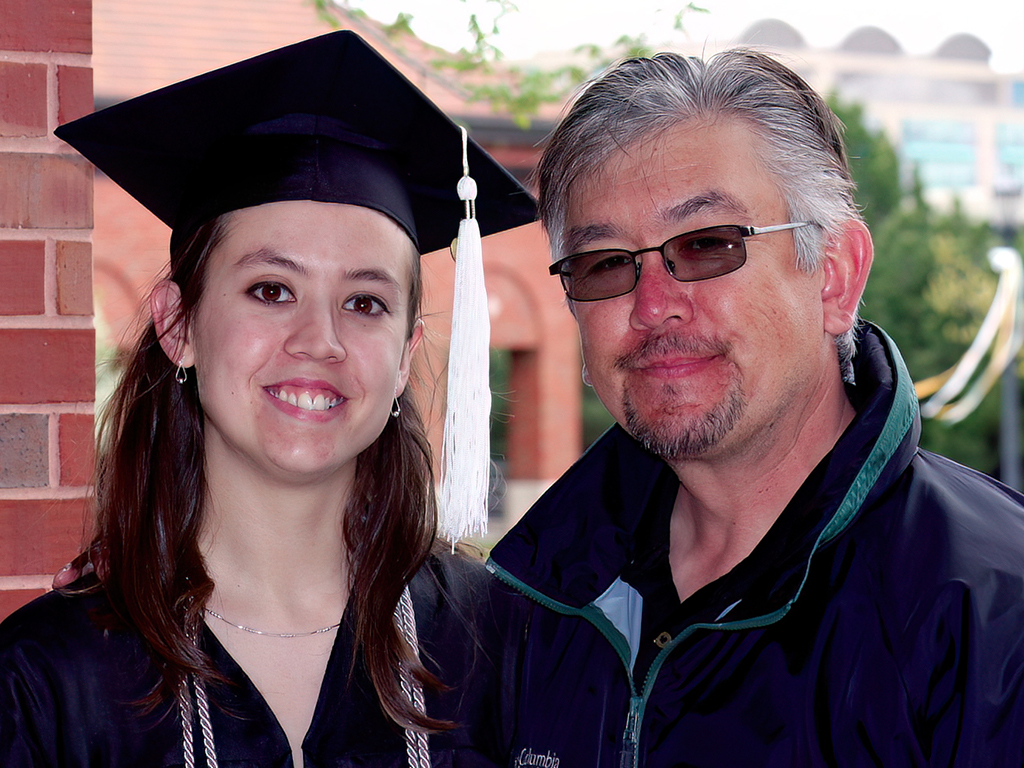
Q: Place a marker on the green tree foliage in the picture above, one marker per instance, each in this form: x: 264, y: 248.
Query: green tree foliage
x: 521, y: 91
x: 930, y: 285
x: 930, y: 288
x: 875, y: 163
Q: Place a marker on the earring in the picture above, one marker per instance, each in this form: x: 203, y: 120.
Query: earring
x: 396, y: 409
x: 181, y: 375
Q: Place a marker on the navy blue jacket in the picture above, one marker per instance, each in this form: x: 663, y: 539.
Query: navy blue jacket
x: 880, y: 621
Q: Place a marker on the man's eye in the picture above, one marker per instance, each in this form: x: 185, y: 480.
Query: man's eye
x: 609, y: 263
x: 271, y: 293
x: 710, y: 245
x: 366, y: 305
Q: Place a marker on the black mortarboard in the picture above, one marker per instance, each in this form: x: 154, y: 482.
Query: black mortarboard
x: 327, y: 119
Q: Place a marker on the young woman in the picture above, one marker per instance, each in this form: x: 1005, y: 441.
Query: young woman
x: 270, y: 592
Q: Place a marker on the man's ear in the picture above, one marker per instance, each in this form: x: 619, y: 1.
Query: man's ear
x: 165, y: 306
x: 845, y: 273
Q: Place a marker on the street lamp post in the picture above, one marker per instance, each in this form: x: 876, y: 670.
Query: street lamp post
x: 1008, y: 194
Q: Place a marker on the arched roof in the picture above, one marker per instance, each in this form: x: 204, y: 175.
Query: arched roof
x: 871, y: 40
x: 964, y: 46
x: 774, y: 33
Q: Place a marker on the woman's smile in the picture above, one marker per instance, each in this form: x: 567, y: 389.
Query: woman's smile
x: 306, y: 397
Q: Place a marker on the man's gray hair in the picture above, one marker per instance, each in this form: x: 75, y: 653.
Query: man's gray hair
x: 801, y: 138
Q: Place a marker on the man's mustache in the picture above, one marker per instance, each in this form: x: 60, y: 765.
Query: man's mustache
x: 654, y: 347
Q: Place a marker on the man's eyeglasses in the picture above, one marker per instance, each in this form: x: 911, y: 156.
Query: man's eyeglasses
x: 698, y: 255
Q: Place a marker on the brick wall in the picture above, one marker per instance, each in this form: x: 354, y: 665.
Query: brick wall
x: 47, y: 341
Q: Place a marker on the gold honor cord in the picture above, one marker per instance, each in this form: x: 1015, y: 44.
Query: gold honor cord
x: 950, y: 398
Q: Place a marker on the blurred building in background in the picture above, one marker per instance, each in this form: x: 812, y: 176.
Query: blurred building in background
x: 953, y: 120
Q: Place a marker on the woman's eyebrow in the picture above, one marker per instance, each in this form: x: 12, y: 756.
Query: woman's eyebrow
x: 373, y: 275
x: 268, y: 257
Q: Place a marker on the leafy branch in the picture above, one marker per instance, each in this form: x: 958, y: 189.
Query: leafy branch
x: 516, y: 91
x: 521, y: 92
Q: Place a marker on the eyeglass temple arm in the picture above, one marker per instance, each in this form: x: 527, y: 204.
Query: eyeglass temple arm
x: 750, y: 231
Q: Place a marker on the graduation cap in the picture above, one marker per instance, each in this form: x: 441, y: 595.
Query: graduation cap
x: 329, y: 120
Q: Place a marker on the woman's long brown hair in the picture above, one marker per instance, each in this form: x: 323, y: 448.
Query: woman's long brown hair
x: 150, y: 489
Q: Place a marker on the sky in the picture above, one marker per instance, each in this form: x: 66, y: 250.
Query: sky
x: 920, y: 26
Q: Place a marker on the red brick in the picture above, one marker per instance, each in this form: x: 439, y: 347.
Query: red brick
x: 523, y: 445
x: 74, y: 278
x: 24, y: 450
x: 22, y: 265
x: 41, y: 535
x: 47, y: 365
x: 76, y: 448
x: 12, y: 600
x: 45, y: 191
x: 46, y: 25
x: 22, y: 99
x: 74, y: 93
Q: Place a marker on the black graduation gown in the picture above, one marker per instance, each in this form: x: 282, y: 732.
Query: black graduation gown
x: 69, y: 689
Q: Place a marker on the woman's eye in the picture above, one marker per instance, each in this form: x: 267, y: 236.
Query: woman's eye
x: 271, y: 293
x: 366, y: 305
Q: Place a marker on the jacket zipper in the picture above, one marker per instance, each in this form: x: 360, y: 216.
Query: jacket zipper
x: 638, y: 704
x: 630, y: 755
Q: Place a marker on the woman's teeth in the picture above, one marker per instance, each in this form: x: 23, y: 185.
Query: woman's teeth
x: 307, y: 402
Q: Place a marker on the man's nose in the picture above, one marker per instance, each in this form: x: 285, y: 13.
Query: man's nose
x: 658, y: 297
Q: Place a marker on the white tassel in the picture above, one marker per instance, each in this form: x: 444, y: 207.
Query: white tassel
x: 466, y: 454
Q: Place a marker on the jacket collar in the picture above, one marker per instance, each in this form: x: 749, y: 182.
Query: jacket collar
x: 580, y: 535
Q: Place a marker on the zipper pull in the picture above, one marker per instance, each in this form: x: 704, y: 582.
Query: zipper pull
x: 630, y: 755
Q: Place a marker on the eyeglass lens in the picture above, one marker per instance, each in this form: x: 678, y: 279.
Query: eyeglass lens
x: 689, y: 257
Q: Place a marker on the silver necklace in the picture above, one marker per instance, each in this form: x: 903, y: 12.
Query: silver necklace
x: 252, y: 631
x: 417, y: 747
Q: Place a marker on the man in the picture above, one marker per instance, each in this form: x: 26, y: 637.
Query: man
x: 757, y: 566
